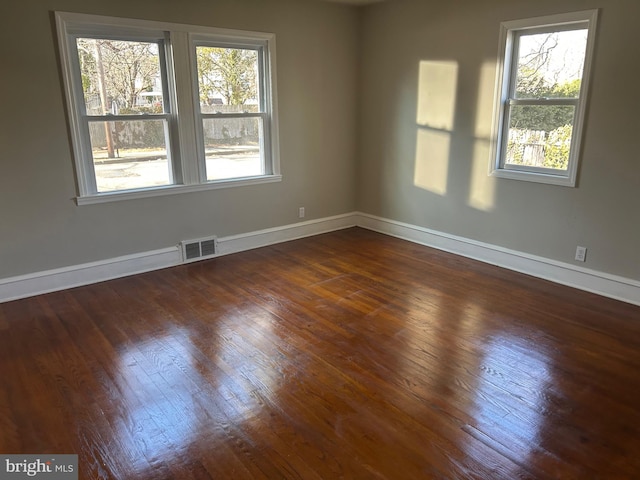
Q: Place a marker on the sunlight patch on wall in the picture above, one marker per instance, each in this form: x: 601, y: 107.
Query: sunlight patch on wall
x: 484, y: 110
x: 432, y: 160
x: 482, y: 186
x: 437, y: 84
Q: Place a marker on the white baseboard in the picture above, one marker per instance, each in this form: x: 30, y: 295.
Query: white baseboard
x: 270, y: 236
x: 87, y: 273
x: 619, y: 288
x: 23, y: 286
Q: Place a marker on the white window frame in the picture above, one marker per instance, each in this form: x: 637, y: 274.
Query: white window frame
x: 264, y: 81
x: 185, y: 154
x: 505, y: 83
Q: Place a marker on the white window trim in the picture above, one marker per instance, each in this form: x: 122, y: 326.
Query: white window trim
x: 503, y: 77
x: 188, y: 167
x: 266, y: 104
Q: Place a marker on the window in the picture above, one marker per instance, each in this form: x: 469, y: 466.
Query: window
x: 232, y: 110
x: 542, y: 91
x: 159, y: 108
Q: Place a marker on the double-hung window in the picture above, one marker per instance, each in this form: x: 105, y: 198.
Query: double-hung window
x: 232, y: 107
x: 542, y: 93
x: 159, y: 108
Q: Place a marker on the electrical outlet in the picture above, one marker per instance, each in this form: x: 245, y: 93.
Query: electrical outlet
x: 301, y: 212
x: 581, y: 254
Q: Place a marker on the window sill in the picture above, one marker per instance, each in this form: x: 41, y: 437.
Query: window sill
x: 550, y: 179
x: 173, y: 190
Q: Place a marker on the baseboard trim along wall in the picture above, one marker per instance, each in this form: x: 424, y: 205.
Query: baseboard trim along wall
x: 23, y: 286
x: 270, y: 236
x: 612, y: 286
x: 37, y: 283
x: 619, y: 288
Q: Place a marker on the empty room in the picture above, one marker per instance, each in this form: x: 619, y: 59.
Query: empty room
x: 312, y: 239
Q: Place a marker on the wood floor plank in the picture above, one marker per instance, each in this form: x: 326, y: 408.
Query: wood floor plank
x: 345, y: 355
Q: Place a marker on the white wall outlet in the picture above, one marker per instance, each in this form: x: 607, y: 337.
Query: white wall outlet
x: 581, y: 254
x: 301, y: 212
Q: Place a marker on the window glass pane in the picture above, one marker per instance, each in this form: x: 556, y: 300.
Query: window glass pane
x: 228, y: 79
x: 232, y: 147
x: 130, y: 154
x: 120, y: 77
x: 550, y: 64
x: 540, y: 136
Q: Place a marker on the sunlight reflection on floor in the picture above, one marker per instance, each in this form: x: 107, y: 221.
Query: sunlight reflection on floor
x: 511, y: 398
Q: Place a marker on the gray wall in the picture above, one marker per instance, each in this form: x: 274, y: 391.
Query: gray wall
x: 429, y: 167
x: 355, y: 133
x: 41, y: 227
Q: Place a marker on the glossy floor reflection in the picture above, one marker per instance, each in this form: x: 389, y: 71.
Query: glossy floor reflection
x: 346, y: 355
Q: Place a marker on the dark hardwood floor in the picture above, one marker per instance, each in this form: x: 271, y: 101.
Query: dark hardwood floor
x: 346, y: 355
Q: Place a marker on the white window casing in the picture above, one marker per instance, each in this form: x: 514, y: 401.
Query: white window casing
x: 181, y: 114
x: 506, y: 98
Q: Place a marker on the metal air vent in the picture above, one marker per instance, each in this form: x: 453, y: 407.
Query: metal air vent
x: 199, y: 249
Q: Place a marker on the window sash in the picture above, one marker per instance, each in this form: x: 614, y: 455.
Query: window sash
x: 163, y: 43
x: 506, y: 127
x: 516, y: 34
x: 264, y: 168
x: 87, y: 179
x: 259, y: 47
x: 529, y: 168
x: 264, y: 143
x: 174, y: 173
x: 268, y: 166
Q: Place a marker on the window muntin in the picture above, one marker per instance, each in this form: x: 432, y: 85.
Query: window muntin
x: 543, y: 97
x: 155, y: 121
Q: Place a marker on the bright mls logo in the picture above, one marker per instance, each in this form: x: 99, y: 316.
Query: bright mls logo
x: 54, y: 467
